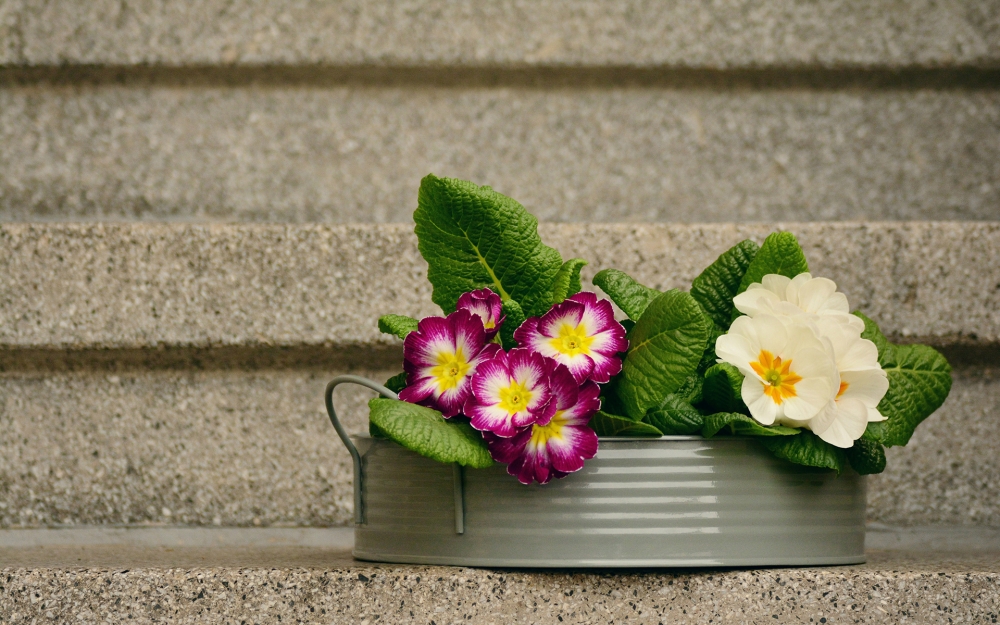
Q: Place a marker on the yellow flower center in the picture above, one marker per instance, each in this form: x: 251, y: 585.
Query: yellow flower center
x: 514, y: 398
x: 542, y: 434
x: 572, y: 341
x: 450, y: 370
x: 779, y: 379
x: 489, y: 324
x: 843, y: 387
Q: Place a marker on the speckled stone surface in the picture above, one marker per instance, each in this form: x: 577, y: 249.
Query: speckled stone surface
x: 336, y: 153
x: 143, y: 285
x: 254, y: 447
x: 729, y: 33
x: 890, y: 589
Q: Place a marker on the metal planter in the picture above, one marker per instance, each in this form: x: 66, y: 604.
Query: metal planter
x: 670, y: 502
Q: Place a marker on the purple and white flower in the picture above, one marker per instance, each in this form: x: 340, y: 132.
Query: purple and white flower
x: 440, y: 358
x: 559, y: 446
x: 487, y: 306
x: 510, y: 391
x: 580, y: 333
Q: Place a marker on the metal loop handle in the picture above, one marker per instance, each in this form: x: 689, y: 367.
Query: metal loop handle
x: 359, y: 513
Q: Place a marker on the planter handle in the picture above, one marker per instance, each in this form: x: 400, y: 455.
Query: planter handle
x: 359, y: 511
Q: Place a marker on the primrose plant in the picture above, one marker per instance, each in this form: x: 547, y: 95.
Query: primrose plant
x: 526, y: 369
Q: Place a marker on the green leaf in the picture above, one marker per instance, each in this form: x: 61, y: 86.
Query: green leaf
x: 709, y: 358
x: 612, y: 425
x: 375, y: 431
x: 399, y: 325
x: 426, y: 432
x: 396, y: 383
x: 886, y: 350
x: 514, y: 318
x: 807, y: 449
x: 780, y: 254
x: 674, y: 416
x: 692, y: 390
x: 716, y: 287
x: 867, y: 456
x: 473, y: 237
x: 567, y: 280
x: 723, y: 389
x: 919, y: 382
x: 742, y: 425
x: 629, y: 295
x: 666, y: 346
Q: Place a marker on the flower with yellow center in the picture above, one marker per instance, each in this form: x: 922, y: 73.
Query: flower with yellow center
x: 451, y: 370
x: 509, y: 392
x: 788, y: 373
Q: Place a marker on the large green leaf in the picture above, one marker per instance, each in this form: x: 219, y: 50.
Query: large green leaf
x: 612, y: 425
x: 567, y: 280
x: 780, y: 254
x: 473, y: 237
x: 742, y: 425
x: 723, y: 390
x: 398, y: 325
x: 426, y: 432
x: 666, y: 346
x: 919, y: 382
x: 886, y: 350
x: 709, y: 358
x: 807, y: 449
x: 675, y: 416
x: 629, y: 295
x: 716, y: 287
x: 867, y: 456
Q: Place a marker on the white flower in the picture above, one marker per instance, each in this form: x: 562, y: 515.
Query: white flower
x: 863, y: 383
x: 815, y: 303
x: 802, y: 294
x: 789, y: 373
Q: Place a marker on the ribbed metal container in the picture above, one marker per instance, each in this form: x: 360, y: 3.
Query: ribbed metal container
x: 674, y: 501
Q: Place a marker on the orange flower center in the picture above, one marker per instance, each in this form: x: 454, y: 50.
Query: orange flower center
x: 779, y: 379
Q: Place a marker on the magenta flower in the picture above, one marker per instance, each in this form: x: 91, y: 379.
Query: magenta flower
x: 558, y: 447
x: 581, y: 333
x: 487, y: 305
x: 510, y: 391
x: 440, y: 358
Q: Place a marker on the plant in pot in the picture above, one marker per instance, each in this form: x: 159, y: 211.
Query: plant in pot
x: 731, y: 424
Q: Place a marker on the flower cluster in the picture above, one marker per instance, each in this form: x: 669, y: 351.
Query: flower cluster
x: 803, y: 358
x: 533, y: 402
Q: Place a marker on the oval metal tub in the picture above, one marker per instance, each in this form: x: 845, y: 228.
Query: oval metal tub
x: 674, y: 501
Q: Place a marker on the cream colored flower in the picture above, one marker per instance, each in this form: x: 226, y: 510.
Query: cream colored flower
x: 777, y: 294
x: 789, y: 373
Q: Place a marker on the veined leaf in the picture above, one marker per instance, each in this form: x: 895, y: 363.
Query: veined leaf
x: 473, y: 237
x: 514, y: 318
x: 612, y: 425
x: 567, y: 280
x: 716, y: 287
x: 723, y: 389
x: 426, y: 432
x: 919, y: 382
x: 807, y: 449
x: 675, y: 416
x: 399, y: 325
x: 780, y: 254
x: 709, y: 358
x: 667, y: 344
x: 867, y: 456
x: 742, y: 425
x: 629, y: 295
x: 692, y: 390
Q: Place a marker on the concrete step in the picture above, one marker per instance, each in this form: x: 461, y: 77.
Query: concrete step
x: 254, y: 576
x: 633, y: 32
x: 286, y: 151
x: 174, y: 373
